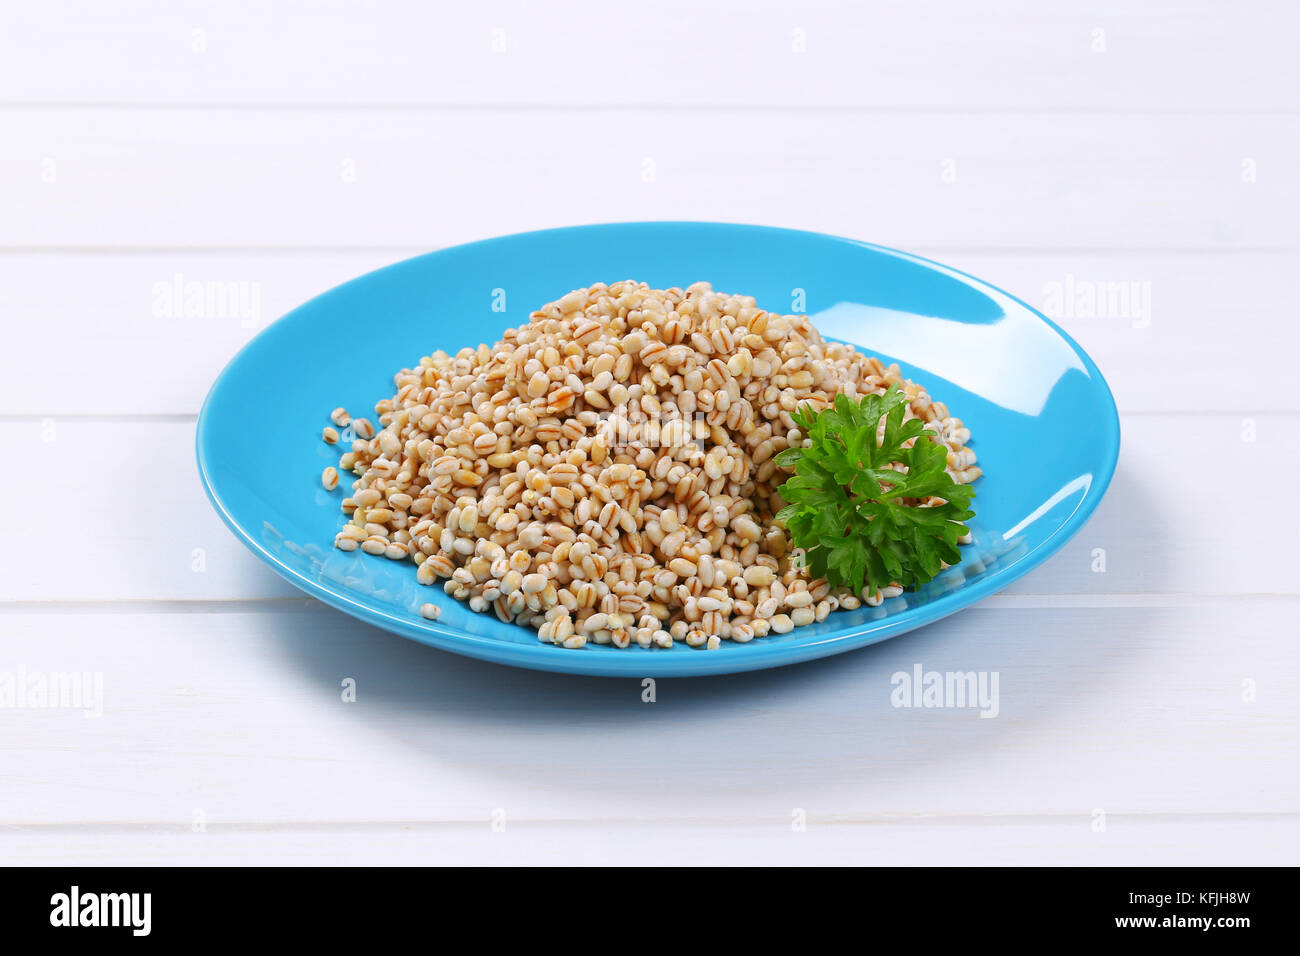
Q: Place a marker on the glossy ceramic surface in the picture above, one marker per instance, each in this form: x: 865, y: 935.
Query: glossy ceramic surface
x: 1042, y: 419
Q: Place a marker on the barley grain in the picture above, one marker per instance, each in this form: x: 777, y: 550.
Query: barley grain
x: 607, y: 471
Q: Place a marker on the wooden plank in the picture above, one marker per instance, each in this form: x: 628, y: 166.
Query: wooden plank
x: 123, y: 517
x: 107, y: 527
x: 158, y: 358
x: 1153, y: 322
x: 239, y: 716
x: 1127, y: 841
x: 394, y: 177
x: 819, y: 53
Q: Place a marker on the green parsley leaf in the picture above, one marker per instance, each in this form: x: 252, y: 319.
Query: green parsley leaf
x: 852, y: 500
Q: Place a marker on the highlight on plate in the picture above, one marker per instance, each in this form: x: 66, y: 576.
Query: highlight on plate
x: 645, y: 466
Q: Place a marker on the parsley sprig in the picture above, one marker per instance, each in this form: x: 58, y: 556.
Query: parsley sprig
x: 846, y: 504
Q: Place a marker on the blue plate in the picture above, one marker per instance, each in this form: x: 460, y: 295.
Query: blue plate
x: 1042, y: 419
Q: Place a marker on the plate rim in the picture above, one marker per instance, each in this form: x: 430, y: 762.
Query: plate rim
x: 676, y: 661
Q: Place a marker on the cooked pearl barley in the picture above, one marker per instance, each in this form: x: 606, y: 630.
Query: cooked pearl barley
x: 430, y: 611
x: 606, y: 472
x: 329, y: 478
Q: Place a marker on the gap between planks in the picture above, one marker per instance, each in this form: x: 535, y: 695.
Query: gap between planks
x: 412, y: 250
x: 306, y: 604
x: 855, y: 109
x: 120, y: 418
x: 875, y: 819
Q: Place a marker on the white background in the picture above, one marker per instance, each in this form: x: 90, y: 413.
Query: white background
x: 1148, y: 712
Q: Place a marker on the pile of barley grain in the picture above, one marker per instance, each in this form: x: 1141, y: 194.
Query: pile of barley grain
x: 605, y: 472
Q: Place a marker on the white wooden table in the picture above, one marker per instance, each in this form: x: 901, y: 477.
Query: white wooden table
x: 1148, y: 711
